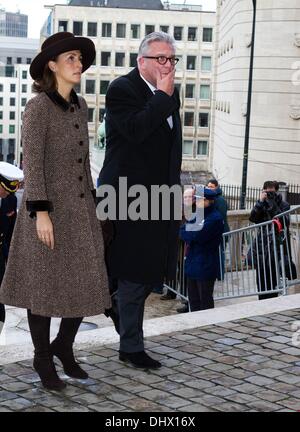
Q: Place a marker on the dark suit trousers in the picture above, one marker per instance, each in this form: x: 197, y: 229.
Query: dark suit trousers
x: 200, y: 294
x: 131, y: 299
x: 2, y: 270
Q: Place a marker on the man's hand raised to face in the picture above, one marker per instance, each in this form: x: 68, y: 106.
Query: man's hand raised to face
x: 165, y: 82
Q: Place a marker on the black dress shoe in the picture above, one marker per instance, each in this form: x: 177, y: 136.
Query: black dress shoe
x: 139, y: 360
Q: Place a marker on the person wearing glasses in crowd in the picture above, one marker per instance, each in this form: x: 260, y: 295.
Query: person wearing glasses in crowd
x: 143, y: 144
x: 56, y: 265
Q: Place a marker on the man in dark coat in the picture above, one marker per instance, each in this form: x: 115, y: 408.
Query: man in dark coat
x: 266, y: 208
x: 9, y: 182
x: 143, y: 144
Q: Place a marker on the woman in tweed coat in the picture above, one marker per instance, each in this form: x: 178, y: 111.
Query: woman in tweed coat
x: 56, y: 266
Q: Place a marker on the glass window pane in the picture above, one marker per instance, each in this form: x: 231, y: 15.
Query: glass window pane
x: 202, y: 148
x: 103, y: 87
x: 205, y: 91
x: 135, y: 31
x: 190, y: 91
x: 62, y: 26
x: 24, y: 74
x: 24, y: 88
x: 23, y: 102
x: 188, y: 119
x: 203, y: 120
x: 11, y: 129
x: 106, y: 30
x: 207, y: 34
x: 192, y: 33
x: 101, y: 114
x: 12, y: 115
x: 12, y: 101
x: 178, y: 31
x: 77, y: 28
x: 92, y: 29
x: 91, y: 115
x: 133, y: 59
x: 121, y: 30
x: 90, y: 86
x: 120, y: 59
x: 164, y: 29
x: 187, y: 148
x: 149, y: 29
x: 206, y: 64
x: 191, y: 62
x: 13, y: 88
x: 105, y: 58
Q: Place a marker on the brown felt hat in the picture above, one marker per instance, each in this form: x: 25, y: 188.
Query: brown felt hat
x: 59, y: 43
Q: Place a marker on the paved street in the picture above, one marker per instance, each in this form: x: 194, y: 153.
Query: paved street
x: 245, y: 365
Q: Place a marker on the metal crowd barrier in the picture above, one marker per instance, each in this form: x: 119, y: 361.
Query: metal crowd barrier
x: 259, y: 260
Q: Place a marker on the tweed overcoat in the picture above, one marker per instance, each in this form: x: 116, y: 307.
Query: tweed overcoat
x: 71, y: 280
x: 141, y: 146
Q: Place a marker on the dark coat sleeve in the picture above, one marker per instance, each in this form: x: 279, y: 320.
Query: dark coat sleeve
x: 133, y: 122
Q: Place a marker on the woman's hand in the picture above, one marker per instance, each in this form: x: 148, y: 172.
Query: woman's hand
x: 44, y: 228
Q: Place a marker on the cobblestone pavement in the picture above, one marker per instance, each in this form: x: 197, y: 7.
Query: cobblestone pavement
x: 245, y: 365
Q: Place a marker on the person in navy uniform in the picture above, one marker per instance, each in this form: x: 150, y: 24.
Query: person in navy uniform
x: 10, y: 177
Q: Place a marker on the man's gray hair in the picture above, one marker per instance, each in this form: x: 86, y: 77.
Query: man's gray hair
x: 155, y: 37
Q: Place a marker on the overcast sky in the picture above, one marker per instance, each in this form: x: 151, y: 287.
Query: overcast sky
x: 38, y: 14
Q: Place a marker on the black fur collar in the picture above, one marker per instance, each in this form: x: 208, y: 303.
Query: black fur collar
x: 61, y: 102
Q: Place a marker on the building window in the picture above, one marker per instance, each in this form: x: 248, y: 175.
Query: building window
x: 149, y: 29
x: 1, y: 115
x: 24, y: 88
x: 12, y: 115
x: 101, y: 114
x: 120, y: 59
x: 133, y: 59
x: 13, y: 88
x: 202, y: 148
x: 9, y: 60
x: 121, y: 31
x: 190, y: 91
x: 187, y: 148
x: 206, y: 64
x: 103, y: 87
x: 28, y: 60
x: 203, y: 120
x: 1, y: 88
x: 77, y: 28
x: 90, y: 86
x: 62, y: 26
x: 191, y: 62
x: 178, y: 87
x: 1, y: 101
x: 207, y: 35
x: 192, y: 33
x: 1, y: 129
x: 91, y: 112
x: 135, y: 31
x: 19, y: 60
x: 205, y: 91
x: 105, y: 58
x: 188, y: 119
x: 106, y: 29
x: 164, y: 29
x: 12, y: 101
x: 12, y: 129
x: 178, y: 31
x: 23, y: 102
x: 92, y: 29
x: 77, y: 88
x: 24, y: 74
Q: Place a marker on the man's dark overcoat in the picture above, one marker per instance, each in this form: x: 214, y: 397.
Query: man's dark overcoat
x: 142, y: 147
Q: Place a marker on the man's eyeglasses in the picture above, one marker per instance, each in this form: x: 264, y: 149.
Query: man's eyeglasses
x: 162, y: 60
